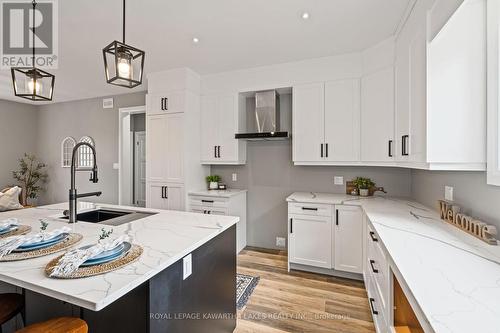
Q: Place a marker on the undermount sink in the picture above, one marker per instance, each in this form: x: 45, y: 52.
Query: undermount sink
x: 110, y: 216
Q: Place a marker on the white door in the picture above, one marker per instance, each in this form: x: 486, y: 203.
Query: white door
x: 310, y: 240
x: 209, y: 128
x: 377, y: 117
x: 308, y: 122
x: 167, y: 196
x: 140, y: 169
x: 155, y: 150
x: 342, y: 120
x: 348, y: 235
x: 228, y: 146
x: 174, y: 194
x: 174, y: 144
x: 402, y: 106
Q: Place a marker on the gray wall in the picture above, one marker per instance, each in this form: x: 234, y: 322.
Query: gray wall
x: 77, y: 119
x: 270, y: 177
x: 470, y: 191
x: 18, y: 135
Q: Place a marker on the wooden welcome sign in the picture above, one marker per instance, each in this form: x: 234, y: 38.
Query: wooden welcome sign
x: 451, y: 213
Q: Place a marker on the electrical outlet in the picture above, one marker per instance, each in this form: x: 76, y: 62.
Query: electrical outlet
x: 338, y: 180
x: 187, y: 265
x: 235, y: 177
x: 448, y: 193
x: 280, y: 242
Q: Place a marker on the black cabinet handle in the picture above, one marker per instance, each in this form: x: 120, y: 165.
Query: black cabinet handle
x: 321, y: 150
x: 166, y: 192
x: 326, y: 149
x: 337, y: 217
x: 164, y: 103
x: 215, y: 151
x: 291, y: 226
x: 372, y: 235
x: 309, y: 208
x: 404, y: 145
x: 373, y: 268
x: 218, y: 151
x: 375, y: 312
x: 390, y: 148
x: 162, y: 192
x: 208, y: 201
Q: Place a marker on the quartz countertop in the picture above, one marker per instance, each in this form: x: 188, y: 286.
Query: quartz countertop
x: 453, y: 276
x: 231, y: 192
x: 165, y: 237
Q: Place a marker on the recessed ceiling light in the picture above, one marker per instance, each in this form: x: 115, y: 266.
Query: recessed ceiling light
x: 305, y: 15
x: 195, y: 40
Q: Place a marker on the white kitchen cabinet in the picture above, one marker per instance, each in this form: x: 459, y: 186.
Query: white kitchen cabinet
x: 377, y: 117
x: 326, y: 122
x: 168, y: 196
x: 348, y: 239
x: 231, y: 202
x: 310, y: 240
x: 219, y: 123
x: 165, y: 148
x: 168, y: 102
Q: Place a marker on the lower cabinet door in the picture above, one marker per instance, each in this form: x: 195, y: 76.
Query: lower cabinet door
x: 348, y: 235
x: 310, y: 240
x: 165, y: 196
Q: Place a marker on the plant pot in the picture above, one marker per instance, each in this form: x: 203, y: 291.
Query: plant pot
x: 364, y: 192
x: 213, y: 186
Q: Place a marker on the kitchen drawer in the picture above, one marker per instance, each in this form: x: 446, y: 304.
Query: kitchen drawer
x: 310, y: 209
x: 208, y: 210
x: 377, y: 267
x: 209, y: 202
x: 377, y: 311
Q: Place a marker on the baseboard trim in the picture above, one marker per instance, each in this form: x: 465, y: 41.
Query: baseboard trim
x: 326, y: 271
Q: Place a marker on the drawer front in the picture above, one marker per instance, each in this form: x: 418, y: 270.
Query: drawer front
x: 170, y: 102
x: 208, y: 210
x: 377, y: 267
x: 209, y: 202
x: 310, y: 209
x: 377, y: 311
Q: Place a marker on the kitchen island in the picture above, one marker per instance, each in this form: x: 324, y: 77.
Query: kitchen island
x: 149, y: 295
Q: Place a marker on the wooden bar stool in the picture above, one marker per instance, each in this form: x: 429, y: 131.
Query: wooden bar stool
x: 11, y: 305
x: 58, y: 325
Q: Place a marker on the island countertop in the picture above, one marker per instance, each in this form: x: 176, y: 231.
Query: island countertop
x: 453, y: 276
x: 165, y: 237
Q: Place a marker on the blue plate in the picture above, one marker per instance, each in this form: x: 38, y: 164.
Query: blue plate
x: 109, y: 255
x: 42, y: 244
x: 8, y: 229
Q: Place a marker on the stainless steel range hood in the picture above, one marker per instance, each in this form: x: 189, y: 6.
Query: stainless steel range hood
x: 266, y: 118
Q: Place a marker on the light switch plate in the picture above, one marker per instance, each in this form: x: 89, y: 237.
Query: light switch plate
x: 187, y: 264
x: 235, y: 177
x: 338, y: 180
x: 280, y: 242
x: 448, y: 193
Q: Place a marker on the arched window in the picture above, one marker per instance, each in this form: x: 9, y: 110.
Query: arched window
x: 67, y: 146
x: 85, y: 158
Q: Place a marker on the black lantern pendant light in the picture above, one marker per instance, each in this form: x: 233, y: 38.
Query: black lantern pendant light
x: 30, y: 82
x: 123, y: 63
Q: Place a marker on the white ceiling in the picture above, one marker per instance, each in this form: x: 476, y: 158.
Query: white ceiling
x: 233, y: 34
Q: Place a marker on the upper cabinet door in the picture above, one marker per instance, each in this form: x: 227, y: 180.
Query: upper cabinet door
x: 209, y: 128
x: 169, y: 102
x: 308, y: 122
x: 227, y: 150
x: 402, y: 111
x: 377, y: 117
x: 342, y: 120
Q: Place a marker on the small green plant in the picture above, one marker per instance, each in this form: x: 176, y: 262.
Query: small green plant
x: 105, y: 234
x: 30, y: 174
x: 363, y: 183
x: 213, y: 178
x: 43, y: 225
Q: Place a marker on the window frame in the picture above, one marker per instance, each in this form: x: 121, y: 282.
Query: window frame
x: 85, y: 152
x: 66, y: 159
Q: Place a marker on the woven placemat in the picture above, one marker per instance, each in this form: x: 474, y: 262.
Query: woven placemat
x: 21, y: 230
x: 71, y: 240
x: 132, y: 255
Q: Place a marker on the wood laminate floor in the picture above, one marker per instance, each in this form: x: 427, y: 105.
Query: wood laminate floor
x: 299, y: 301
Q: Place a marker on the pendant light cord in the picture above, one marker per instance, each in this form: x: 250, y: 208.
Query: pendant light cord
x: 123, y: 21
x: 34, y: 5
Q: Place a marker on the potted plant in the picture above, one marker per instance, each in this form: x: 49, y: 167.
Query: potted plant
x: 213, y: 182
x: 30, y: 174
x: 364, y: 185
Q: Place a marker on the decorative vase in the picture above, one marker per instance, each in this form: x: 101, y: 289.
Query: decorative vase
x: 364, y: 192
x: 213, y: 186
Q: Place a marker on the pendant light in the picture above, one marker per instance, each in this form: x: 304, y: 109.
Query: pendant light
x: 123, y: 63
x: 30, y: 82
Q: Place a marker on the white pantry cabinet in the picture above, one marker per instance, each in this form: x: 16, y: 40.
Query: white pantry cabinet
x: 377, y: 117
x: 219, y: 123
x: 165, y: 196
x: 325, y: 236
x: 326, y: 122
